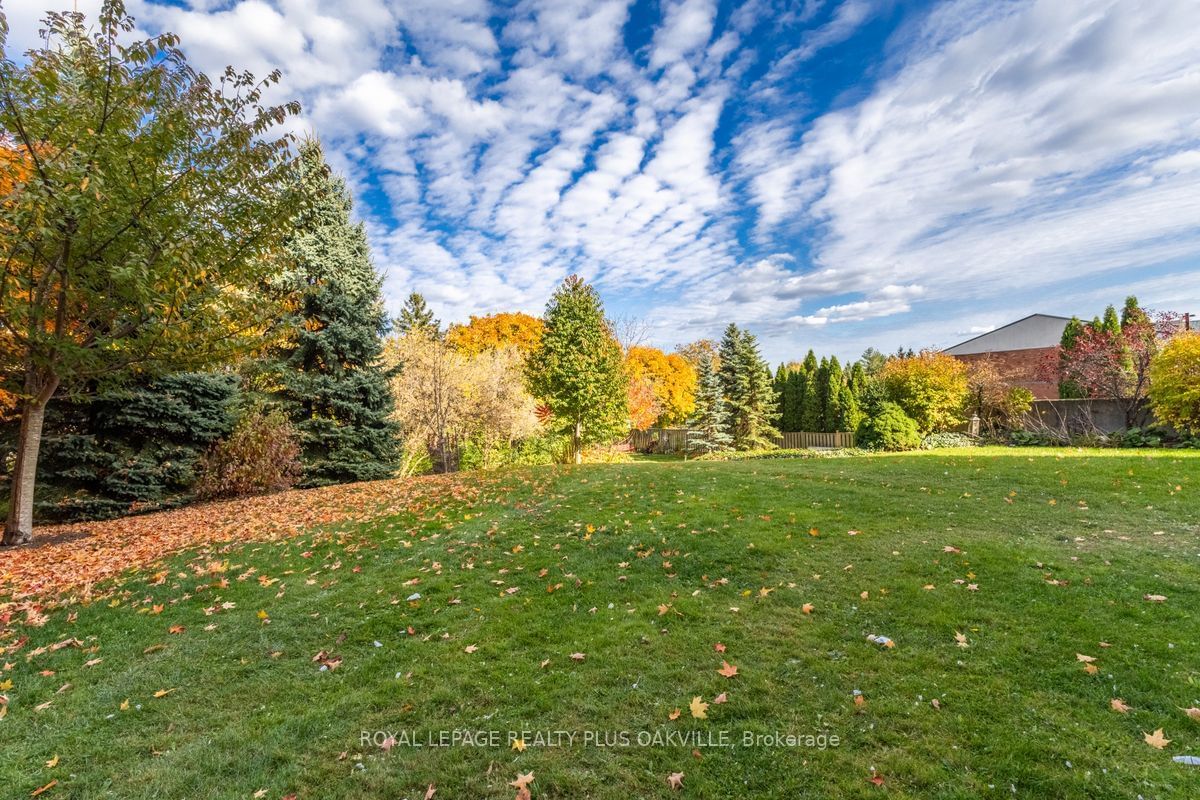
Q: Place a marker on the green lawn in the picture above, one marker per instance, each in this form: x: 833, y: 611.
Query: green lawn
x: 1053, y: 552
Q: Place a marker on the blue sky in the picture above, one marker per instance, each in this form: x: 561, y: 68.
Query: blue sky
x: 830, y: 174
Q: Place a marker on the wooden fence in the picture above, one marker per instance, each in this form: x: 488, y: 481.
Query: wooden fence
x: 674, y: 440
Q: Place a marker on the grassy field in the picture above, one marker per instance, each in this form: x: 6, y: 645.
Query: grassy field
x: 992, y: 572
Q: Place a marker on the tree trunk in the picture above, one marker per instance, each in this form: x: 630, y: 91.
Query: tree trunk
x: 576, y: 449
x: 19, y: 527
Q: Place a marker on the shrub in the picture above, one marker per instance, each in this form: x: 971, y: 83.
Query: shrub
x: 889, y: 429
x: 935, y: 441
x: 756, y: 455
x: 261, y: 455
x: 930, y: 387
x: 1175, y: 382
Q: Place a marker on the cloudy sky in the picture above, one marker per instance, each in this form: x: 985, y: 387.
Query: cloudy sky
x: 831, y: 173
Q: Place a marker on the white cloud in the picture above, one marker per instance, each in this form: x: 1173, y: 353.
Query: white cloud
x: 1005, y: 151
x: 687, y: 26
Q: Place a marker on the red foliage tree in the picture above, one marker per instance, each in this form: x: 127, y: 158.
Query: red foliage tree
x: 1113, y: 364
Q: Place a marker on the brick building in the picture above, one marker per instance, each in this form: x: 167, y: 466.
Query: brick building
x: 1018, y: 349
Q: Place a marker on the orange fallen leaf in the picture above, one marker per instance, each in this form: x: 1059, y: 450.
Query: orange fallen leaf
x: 807, y: 608
x: 1156, y: 739
x: 674, y: 715
x: 720, y: 648
x: 471, y: 648
x: 163, y: 692
x: 1118, y: 705
x: 727, y: 669
x: 721, y: 698
x: 675, y: 780
x: 578, y: 656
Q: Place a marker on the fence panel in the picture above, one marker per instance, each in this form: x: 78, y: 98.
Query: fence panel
x: 674, y: 440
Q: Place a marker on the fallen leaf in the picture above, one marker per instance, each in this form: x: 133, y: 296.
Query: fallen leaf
x: 1193, y: 713
x: 807, y: 608
x: 727, y: 669
x: 1156, y: 739
x: 52, y: 763
x: 518, y: 745
x: 578, y: 656
x: 699, y: 708
x: 45, y: 788
x: 430, y: 791
x: 1155, y: 598
x: 1085, y: 659
x: 163, y: 692
x: 961, y: 639
x: 471, y: 648
x: 674, y: 715
x: 721, y: 698
x: 720, y: 648
x: 1118, y: 705
x: 522, y: 781
x: 675, y: 780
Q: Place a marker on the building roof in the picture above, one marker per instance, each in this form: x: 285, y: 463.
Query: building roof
x: 1028, y: 333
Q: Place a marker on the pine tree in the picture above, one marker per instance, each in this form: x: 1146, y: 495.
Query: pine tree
x: 746, y: 384
x: 709, y: 425
x: 577, y: 369
x: 334, y: 387
x: 416, y: 316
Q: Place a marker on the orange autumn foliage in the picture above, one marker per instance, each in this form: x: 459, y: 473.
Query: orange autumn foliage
x: 495, y: 331
x: 671, y: 378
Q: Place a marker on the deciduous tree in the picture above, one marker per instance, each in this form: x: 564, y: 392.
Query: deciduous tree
x: 1175, y: 382
x: 496, y: 331
x: 931, y: 387
x: 147, y: 222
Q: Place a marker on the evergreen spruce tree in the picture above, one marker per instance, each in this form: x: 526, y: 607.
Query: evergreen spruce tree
x: 132, y: 449
x: 416, y: 316
x: 578, y: 370
x: 709, y: 424
x: 746, y: 384
x: 810, y: 401
x: 333, y: 385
